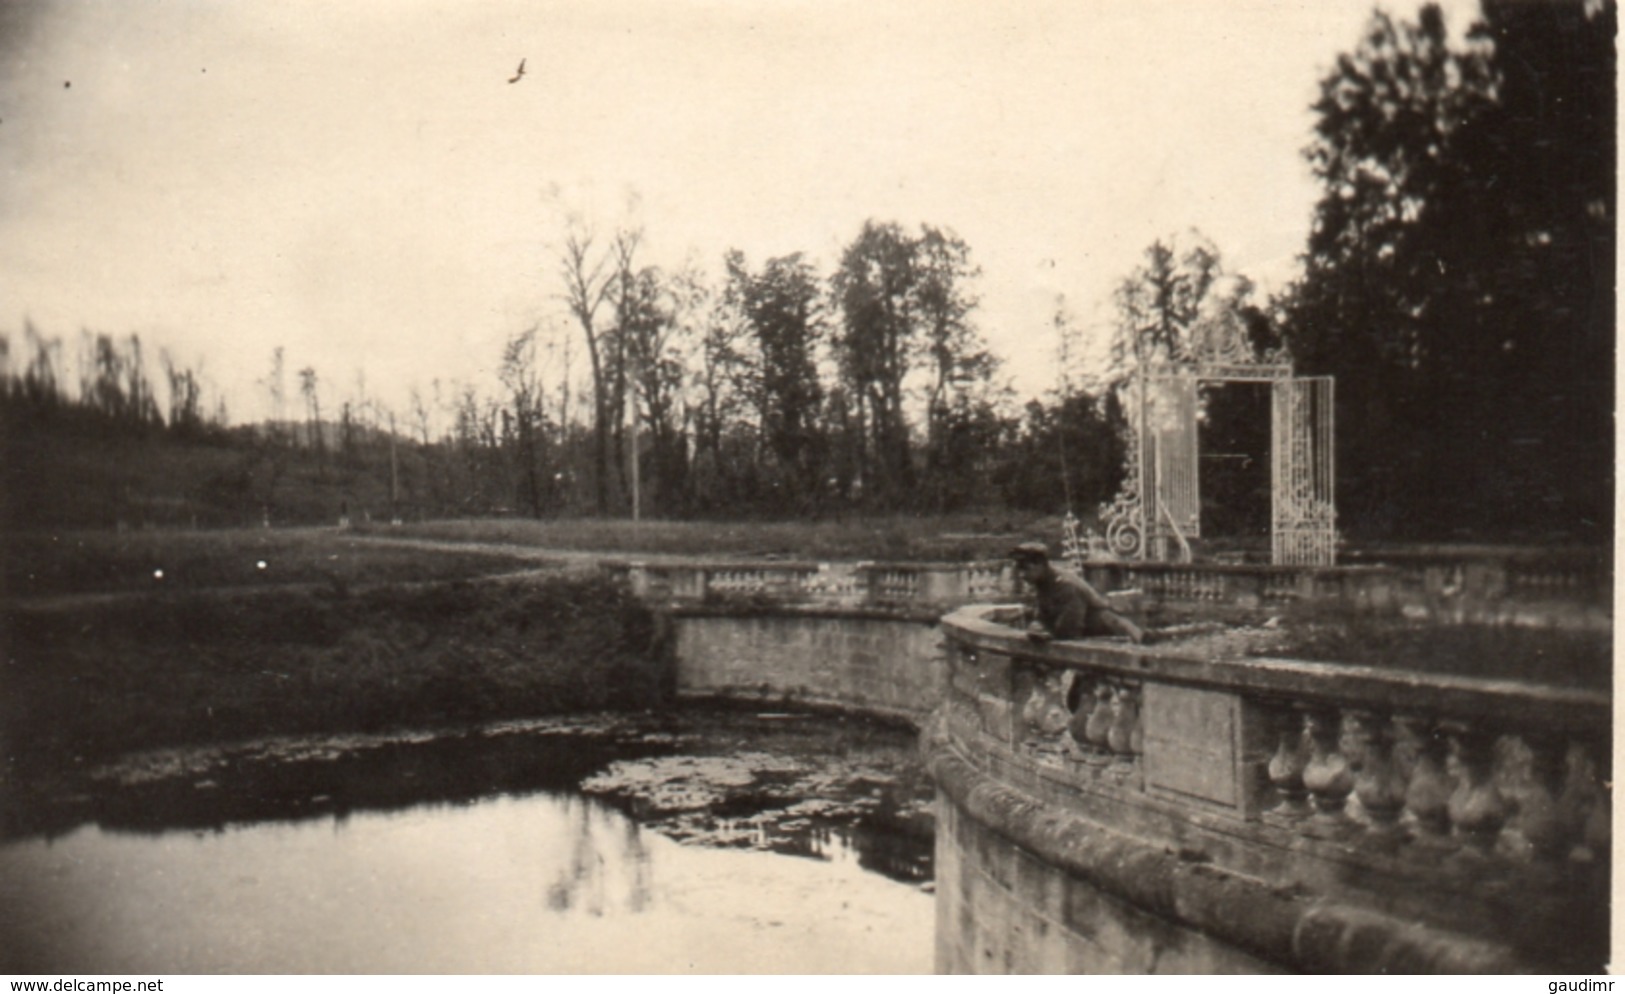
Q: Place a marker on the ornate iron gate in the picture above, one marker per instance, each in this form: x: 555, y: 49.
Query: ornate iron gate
x: 1173, y: 453
x: 1158, y: 511
x: 1303, y: 527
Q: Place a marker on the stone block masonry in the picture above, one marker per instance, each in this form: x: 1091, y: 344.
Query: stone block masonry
x: 890, y: 666
x: 1191, y: 807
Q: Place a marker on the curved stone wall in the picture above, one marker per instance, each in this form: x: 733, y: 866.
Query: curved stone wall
x: 884, y: 663
x: 1192, y: 808
x: 1208, y: 811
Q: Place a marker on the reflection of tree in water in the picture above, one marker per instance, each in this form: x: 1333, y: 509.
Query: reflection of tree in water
x: 892, y: 850
x: 880, y: 844
x: 606, y: 849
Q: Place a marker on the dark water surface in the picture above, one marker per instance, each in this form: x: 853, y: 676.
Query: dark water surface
x: 711, y: 842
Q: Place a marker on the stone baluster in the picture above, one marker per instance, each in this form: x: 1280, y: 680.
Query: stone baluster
x: 1379, y: 779
x: 1044, y: 715
x: 1095, y: 725
x: 1585, y: 800
x: 1477, y: 809
x: 1326, y: 776
x: 1598, y: 834
x: 1285, y: 767
x: 1032, y: 714
x: 1123, y: 738
x: 1549, y: 828
x: 1427, y: 796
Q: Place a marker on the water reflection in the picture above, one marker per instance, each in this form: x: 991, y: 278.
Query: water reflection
x: 471, y: 854
x: 546, y: 884
x: 890, y: 850
x: 608, y: 864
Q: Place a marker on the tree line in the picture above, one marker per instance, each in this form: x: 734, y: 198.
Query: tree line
x: 1457, y: 281
x: 775, y: 390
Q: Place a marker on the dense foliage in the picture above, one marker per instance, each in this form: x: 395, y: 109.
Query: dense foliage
x: 1459, y: 278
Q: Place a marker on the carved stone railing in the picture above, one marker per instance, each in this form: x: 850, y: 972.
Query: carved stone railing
x: 1442, y: 822
x: 836, y: 585
x: 1570, y: 589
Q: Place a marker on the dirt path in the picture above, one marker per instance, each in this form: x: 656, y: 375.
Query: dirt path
x: 570, y: 559
x: 529, y: 560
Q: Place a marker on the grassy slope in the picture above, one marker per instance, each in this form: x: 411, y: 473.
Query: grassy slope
x: 83, y: 683
x: 85, y: 562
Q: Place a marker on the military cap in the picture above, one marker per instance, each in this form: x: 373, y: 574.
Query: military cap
x: 1029, y: 551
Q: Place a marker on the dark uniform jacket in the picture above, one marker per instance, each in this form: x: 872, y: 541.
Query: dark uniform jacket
x: 1070, y: 608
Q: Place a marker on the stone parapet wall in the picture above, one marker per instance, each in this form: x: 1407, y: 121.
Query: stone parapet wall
x: 1561, y: 589
x: 1189, y: 806
x: 1316, y: 816
x: 1003, y: 908
x: 1518, y: 587
x: 819, y: 584
x: 1032, y: 883
x: 889, y: 664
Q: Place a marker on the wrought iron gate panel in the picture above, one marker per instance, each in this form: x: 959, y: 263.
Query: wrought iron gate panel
x: 1177, y: 516
x: 1304, y: 520
x: 1159, y: 508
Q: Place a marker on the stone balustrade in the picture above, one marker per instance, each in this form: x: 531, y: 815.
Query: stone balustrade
x: 1457, y: 818
x: 833, y: 585
x: 1572, y: 591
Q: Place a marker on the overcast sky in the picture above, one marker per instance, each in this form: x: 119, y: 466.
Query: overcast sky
x: 359, y: 183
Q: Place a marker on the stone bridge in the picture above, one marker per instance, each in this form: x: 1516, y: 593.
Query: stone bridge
x: 1197, y: 805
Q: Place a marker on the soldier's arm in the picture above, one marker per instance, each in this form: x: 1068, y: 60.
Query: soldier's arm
x: 1090, y: 595
x: 1072, y: 621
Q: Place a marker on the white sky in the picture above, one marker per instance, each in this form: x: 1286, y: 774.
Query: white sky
x: 359, y: 183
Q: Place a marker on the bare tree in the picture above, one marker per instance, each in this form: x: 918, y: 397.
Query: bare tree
x: 587, y: 284
x: 520, y: 375
x: 313, y: 408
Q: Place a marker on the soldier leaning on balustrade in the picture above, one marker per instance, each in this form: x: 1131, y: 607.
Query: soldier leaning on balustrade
x: 1065, y: 605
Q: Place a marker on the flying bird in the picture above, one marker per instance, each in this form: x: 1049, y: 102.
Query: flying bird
x: 519, y: 73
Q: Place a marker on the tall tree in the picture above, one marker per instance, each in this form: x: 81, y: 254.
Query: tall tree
x: 955, y: 354
x: 313, y: 408
x: 1458, y: 277
x: 906, y: 304
x: 648, y: 338
x: 185, y: 397
x: 521, y: 377
x: 588, y: 282
x: 1161, y: 304
x: 874, y: 286
x: 782, y: 307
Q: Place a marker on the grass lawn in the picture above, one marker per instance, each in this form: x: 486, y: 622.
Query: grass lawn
x: 894, y: 538
x: 91, y: 562
x: 45, y: 564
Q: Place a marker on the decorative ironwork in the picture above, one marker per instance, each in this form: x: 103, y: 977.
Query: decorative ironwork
x: 1222, y: 341
x: 1074, y: 544
x: 1125, y: 516
x: 1304, y: 520
x: 1158, y: 509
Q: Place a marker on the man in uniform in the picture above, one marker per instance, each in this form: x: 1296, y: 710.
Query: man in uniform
x: 1067, y: 606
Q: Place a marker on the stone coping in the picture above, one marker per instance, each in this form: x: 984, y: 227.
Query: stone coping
x: 1221, y: 663
x: 792, y: 565
x: 742, y: 606
x: 1274, y: 919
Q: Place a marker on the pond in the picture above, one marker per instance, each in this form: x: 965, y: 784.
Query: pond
x: 692, y: 842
